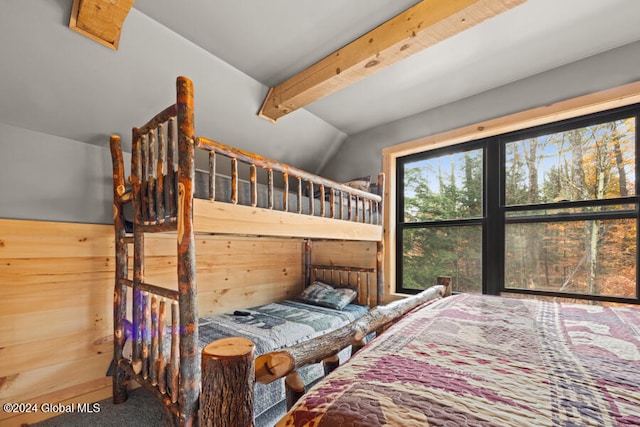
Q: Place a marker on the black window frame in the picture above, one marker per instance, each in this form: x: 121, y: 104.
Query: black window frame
x: 494, y: 212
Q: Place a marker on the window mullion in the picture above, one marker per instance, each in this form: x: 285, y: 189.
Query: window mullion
x: 493, y: 230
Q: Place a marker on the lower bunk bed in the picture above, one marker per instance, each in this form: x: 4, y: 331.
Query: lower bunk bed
x: 335, y: 297
x: 320, y: 309
x: 274, y: 326
x: 477, y: 360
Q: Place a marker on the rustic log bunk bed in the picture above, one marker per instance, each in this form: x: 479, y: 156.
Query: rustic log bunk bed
x: 476, y: 360
x: 164, y: 323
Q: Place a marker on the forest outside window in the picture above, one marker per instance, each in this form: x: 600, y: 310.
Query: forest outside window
x: 549, y: 211
x: 442, y: 215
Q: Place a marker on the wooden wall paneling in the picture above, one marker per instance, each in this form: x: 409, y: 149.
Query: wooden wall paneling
x: 57, y: 282
x: 54, y: 240
x: 236, y: 272
x: 29, y: 385
x: 88, y: 392
x: 226, y: 300
x: 57, y: 350
x: 355, y: 254
x: 57, y: 285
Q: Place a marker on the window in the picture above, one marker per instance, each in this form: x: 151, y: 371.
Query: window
x: 442, y: 209
x: 551, y: 210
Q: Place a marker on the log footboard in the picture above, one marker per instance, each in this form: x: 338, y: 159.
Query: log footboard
x: 229, y: 370
x: 277, y: 364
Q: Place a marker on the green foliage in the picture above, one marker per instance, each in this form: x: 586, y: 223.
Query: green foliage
x: 591, y: 163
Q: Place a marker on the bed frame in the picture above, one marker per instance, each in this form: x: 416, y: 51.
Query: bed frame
x: 161, y: 190
x: 232, y: 369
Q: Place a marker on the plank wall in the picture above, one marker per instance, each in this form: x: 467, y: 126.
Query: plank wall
x: 56, y: 282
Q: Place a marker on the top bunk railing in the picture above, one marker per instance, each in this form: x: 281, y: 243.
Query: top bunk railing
x: 344, y: 202
x: 154, y: 178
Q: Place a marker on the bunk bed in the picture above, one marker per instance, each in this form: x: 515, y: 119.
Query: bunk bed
x: 477, y: 360
x: 166, y: 194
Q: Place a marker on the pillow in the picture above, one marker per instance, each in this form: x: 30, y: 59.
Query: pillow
x: 363, y: 183
x: 325, y: 295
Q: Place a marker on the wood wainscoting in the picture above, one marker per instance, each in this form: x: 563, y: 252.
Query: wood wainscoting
x: 56, y: 285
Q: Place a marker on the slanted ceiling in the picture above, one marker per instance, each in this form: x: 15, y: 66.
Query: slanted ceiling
x: 419, y: 27
x: 415, y: 29
x: 100, y: 20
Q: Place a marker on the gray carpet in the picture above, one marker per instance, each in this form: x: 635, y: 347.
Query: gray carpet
x: 140, y: 410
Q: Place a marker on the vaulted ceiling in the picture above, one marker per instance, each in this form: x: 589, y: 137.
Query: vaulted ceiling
x: 58, y: 82
x: 272, y: 41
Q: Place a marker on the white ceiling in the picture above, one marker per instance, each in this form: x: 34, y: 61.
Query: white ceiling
x: 273, y: 40
x: 58, y: 82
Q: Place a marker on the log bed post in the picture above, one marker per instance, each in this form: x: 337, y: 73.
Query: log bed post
x: 294, y: 388
x: 307, y: 263
x: 228, y: 379
x: 445, y: 281
x: 189, y: 355
x: 380, y: 246
x: 121, y: 257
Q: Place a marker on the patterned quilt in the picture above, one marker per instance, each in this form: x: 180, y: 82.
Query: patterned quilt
x: 274, y: 326
x: 473, y: 360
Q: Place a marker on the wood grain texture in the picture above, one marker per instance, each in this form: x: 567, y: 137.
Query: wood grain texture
x: 227, y: 383
x: 220, y: 217
x: 100, y: 20
x: 55, y: 327
x: 58, y: 279
x: 422, y: 25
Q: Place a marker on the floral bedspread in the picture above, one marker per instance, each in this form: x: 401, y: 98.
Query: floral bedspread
x: 472, y: 360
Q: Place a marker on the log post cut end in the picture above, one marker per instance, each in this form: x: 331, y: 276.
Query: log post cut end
x: 228, y: 379
x: 444, y: 281
x: 274, y: 365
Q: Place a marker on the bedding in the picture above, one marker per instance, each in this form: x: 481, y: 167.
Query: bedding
x: 474, y: 360
x: 276, y: 325
x: 324, y: 295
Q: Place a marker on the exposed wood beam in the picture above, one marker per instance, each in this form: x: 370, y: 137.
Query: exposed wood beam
x: 100, y: 20
x: 415, y: 29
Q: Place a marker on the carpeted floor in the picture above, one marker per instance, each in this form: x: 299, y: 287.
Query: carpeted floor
x: 140, y: 410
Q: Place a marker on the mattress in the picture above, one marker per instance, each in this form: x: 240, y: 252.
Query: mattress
x: 473, y: 360
x: 276, y: 325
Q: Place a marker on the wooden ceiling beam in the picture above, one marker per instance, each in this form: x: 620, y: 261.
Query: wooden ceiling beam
x: 100, y: 20
x: 415, y: 29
